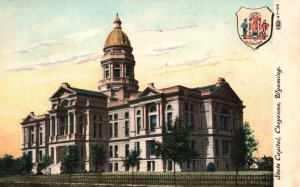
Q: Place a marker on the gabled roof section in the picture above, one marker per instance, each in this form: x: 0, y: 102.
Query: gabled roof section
x: 227, y: 93
x: 65, y: 88
x: 32, y: 117
x: 149, y: 91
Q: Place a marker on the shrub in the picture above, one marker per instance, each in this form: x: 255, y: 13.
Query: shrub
x: 211, y: 167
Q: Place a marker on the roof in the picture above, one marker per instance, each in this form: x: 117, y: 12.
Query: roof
x: 87, y: 92
x: 211, y: 88
x: 79, y: 91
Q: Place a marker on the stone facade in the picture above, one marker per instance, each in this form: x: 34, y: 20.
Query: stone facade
x: 122, y: 118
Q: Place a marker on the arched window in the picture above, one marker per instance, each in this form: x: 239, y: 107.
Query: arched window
x: 64, y: 104
x: 169, y: 107
x: 153, y: 108
x: 138, y: 112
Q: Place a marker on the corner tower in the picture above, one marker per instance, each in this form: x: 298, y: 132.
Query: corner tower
x: 118, y: 63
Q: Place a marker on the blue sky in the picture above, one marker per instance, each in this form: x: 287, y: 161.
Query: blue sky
x: 45, y: 43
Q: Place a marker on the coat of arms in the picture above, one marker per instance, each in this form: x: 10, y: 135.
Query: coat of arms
x: 254, y: 26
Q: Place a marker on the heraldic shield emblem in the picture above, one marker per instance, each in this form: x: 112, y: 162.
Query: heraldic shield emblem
x: 254, y: 26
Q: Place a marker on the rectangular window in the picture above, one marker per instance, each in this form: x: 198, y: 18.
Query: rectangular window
x: 110, y: 151
x: 148, y: 165
x: 126, y: 128
x: 186, y: 118
x: 41, y: 138
x: 169, y: 120
x: 110, y: 167
x: 31, y: 136
x: 186, y: 106
x: 116, y: 130
x: 152, y: 122
x: 116, y: 151
x: 100, y: 130
x: 192, y: 122
x: 126, y: 115
x: 95, y: 117
x: 95, y: 130
x: 116, y: 166
x: 137, y: 146
x: 117, y: 73
x: 30, y: 155
x: 40, y: 156
x: 110, y: 117
x: 115, y: 116
x: 170, y: 165
x: 192, y: 107
x: 128, y: 71
x: 223, y: 123
x: 150, y: 147
x: 225, y: 147
x: 217, y: 147
x: 126, y: 150
x: 138, y: 125
x: 110, y: 130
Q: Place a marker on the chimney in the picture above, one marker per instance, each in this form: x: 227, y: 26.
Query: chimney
x: 32, y: 113
x: 221, y: 81
x: 151, y: 85
x: 65, y: 85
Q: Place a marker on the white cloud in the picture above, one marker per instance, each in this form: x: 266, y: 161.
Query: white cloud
x: 56, y: 59
x: 77, y: 37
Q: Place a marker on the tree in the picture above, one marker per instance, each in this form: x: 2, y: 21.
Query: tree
x: 251, y: 142
x: 175, y: 145
x: 45, y: 162
x: 132, y: 160
x: 71, y: 162
x: 25, y: 164
x: 244, y: 144
x: 98, y: 156
x: 239, y: 151
x: 8, y: 164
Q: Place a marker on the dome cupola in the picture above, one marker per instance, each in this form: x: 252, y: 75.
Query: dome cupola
x: 117, y: 37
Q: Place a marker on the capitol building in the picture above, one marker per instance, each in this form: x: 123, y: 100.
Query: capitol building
x: 122, y: 118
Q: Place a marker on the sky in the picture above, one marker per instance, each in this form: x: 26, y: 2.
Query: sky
x: 45, y: 43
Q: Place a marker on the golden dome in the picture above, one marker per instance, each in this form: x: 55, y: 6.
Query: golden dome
x: 117, y: 37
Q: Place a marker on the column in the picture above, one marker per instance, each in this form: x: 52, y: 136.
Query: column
x: 161, y: 114
x: 145, y: 119
x: 158, y: 114
x: 75, y: 123
x: 56, y: 125
x: 69, y: 124
x: 88, y: 124
x: 51, y: 126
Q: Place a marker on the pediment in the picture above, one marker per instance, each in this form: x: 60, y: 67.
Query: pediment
x: 227, y: 93
x: 149, y: 92
x: 62, y: 93
x: 29, y: 118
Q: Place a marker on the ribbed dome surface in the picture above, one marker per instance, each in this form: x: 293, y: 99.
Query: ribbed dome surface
x: 117, y: 37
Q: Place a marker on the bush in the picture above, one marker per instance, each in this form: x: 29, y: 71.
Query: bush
x: 211, y: 167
